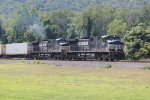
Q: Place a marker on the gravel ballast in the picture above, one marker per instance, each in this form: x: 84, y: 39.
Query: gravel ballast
x: 121, y: 64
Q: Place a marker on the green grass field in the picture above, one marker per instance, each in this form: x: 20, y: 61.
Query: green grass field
x: 44, y: 82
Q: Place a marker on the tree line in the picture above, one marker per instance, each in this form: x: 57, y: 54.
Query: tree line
x: 8, y: 6
x: 29, y: 24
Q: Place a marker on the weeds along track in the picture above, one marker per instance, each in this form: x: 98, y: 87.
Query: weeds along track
x: 136, y: 61
x: 88, y: 63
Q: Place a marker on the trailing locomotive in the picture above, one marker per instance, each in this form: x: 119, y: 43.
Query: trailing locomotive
x: 107, y: 48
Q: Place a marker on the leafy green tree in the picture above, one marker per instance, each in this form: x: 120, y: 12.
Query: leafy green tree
x: 1, y: 28
x: 93, y: 21
x: 29, y: 36
x: 145, y: 15
x: 72, y: 32
x: 132, y: 18
x: 57, y: 23
x: 9, y: 6
x: 136, y: 41
x: 2, y: 32
x: 117, y: 27
x: 24, y: 18
x: 34, y: 33
x: 101, y: 18
x: 52, y: 32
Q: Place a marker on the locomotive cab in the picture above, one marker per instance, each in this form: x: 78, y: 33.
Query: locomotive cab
x: 112, y: 43
x: 63, y: 44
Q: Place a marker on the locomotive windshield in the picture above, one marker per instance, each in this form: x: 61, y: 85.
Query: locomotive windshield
x: 62, y: 42
x: 108, y: 38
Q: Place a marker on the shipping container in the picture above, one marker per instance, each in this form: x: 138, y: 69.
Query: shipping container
x: 18, y: 49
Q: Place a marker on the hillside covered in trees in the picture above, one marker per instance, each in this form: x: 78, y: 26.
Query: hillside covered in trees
x: 31, y: 20
x: 8, y: 6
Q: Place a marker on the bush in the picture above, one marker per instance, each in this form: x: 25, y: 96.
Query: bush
x: 36, y: 62
x: 108, y: 66
x: 146, y: 68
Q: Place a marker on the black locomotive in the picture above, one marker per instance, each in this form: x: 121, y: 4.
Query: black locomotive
x: 105, y: 48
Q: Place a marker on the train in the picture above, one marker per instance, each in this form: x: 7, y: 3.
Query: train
x: 107, y: 48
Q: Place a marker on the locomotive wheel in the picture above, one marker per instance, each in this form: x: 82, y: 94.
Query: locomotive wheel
x: 100, y: 58
x: 117, y: 59
x: 69, y: 58
x: 59, y: 58
x: 74, y: 58
x: 106, y: 59
x: 55, y: 57
x: 111, y: 59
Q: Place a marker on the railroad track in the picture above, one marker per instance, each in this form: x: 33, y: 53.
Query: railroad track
x: 88, y: 60
x: 135, y: 61
x: 129, y: 61
x: 87, y: 63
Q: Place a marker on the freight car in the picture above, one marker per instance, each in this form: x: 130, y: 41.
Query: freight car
x: 16, y: 50
x: 107, y: 48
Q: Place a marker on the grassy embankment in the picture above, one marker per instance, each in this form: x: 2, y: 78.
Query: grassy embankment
x: 45, y: 82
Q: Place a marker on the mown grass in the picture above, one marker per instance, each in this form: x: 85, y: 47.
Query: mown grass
x: 45, y: 82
